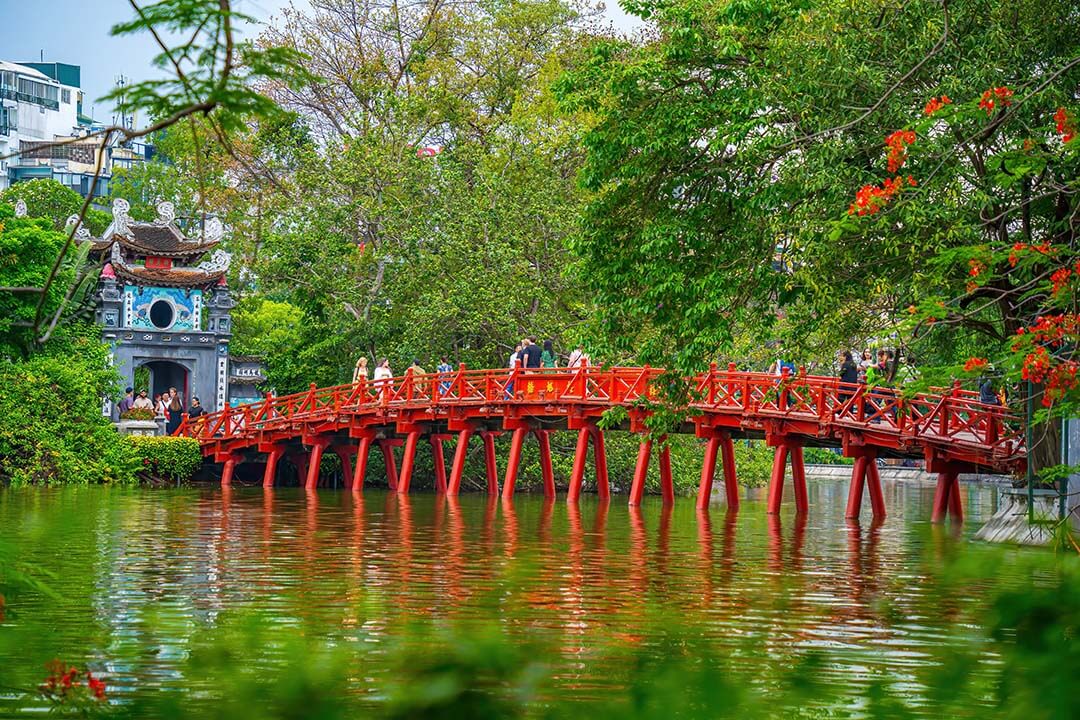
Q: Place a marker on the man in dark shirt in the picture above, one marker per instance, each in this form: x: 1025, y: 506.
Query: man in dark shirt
x: 531, y: 353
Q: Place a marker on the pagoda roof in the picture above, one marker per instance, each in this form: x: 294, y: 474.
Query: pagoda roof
x: 161, y: 240
x: 172, y: 277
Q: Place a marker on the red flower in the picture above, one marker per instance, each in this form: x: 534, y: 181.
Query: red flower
x: 96, y: 686
x: 1059, y: 278
x: 1065, y: 125
x: 897, y: 144
x: 871, y: 198
x: 975, y: 363
x: 936, y: 104
x: 995, y: 97
x: 976, y: 267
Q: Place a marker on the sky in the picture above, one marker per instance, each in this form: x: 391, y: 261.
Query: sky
x: 77, y: 32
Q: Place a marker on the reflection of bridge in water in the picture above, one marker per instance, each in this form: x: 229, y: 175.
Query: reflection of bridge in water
x: 951, y: 430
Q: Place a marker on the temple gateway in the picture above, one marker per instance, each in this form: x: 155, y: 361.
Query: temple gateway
x: 164, y: 305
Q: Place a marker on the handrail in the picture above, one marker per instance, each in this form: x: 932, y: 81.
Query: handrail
x: 952, y: 416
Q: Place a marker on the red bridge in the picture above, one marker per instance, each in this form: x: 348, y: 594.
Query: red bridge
x: 951, y: 430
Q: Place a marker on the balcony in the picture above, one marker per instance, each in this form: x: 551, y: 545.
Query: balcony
x: 9, y: 93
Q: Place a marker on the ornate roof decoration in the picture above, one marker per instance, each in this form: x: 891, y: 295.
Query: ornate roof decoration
x: 82, y: 233
x: 166, y: 213
x: 121, y: 224
x: 219, y: 261
x: 213, y: 231
x: 20, y: 208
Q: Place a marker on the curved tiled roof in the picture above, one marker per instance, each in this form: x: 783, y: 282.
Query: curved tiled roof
x: 174, y: 277
x: 162, y: 240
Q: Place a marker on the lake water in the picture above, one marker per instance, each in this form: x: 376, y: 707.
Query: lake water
x: 142, y: 574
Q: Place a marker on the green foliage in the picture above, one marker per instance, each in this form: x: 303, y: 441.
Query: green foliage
x: 172, y: 458
x: 47, y: 198
x: 721, y: 147
x: 51, y: 426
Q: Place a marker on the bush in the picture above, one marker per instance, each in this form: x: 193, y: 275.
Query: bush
x: 165, y: 457
x: 138, y: 414
x: 51, y: 426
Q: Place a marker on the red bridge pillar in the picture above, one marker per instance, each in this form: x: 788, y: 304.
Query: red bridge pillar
x: 227, y: 469
x: 318, y: 445
x: 517, y: 443
x: 457, y: 468
x: 270, y: 469
x: 588, y: 431
x: 641, y: 471
x: 440, y: 461
x: 785, y: 447
x: 363, y: 449
x: 719, y: 443
x: 865, y: 472
x: 408, y: 460
x: 947, y: 501
x: 387, y: 448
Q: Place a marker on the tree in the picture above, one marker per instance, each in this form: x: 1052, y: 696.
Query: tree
x: 720, y: 151
x: 49, y: 199
x: 438, y: 185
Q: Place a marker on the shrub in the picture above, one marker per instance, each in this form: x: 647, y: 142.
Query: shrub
x: 138, y: 414
x: 51, y: 426
x: 165, y: 457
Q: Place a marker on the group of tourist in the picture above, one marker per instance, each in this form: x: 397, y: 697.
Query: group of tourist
x: 527, y: 354
x: 169, y: 405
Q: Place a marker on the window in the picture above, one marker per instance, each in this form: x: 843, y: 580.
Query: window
x: 65, y: 96
x: 162, y: 314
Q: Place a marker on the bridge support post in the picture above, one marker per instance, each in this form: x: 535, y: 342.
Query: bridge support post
x: 603, y: 489
x: 947, y: 497
x: 440, y: 462
x: 387, y: 448
x: 641, y: 471
x: 227, y: 470
x: 548, y: 473
x: 363, y: 449
x: 855, y: 490
x: 720, y: 444
x: 731, y: 481
x: 517, y: 441
x: 408, y: 460
x: 667, y: 485
x: 786, y: 447
x: 312, y: 480
x: 457, y: 469
x: 344, y: 454
x: 270, y: 469
x: 300, y: 462
x: 873, y: 482
x: 490, y: 465
x: 577, y: 473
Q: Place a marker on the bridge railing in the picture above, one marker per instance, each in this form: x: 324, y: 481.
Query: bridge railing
x: 952, y: 416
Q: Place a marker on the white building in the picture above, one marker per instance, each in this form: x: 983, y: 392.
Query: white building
x: 41, y: 103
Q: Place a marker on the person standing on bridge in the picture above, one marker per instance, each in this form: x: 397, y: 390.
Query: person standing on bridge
x: 516, y: 361
x: 531, y: 353
x: 548, y: 358
x: 384, y: 376
x: 444, y: 369
x: 361, y: 370
x: 849, y: 376
x: 578, y: 358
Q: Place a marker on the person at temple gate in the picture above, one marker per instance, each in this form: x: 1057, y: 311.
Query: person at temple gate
x: 127, y: 403
x: 143, y: 402
x: 176, y: 410
x: 160, y: 408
